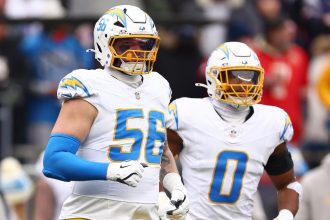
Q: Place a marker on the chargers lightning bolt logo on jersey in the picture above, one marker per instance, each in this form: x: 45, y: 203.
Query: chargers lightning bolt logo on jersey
x: 74, y: 84
x: 287, y: 128
x: 173, y: 110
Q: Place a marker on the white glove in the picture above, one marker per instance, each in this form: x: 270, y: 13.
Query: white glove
x: 180, y: 205
x: 164, y: 205
x: 284, y: 214
x: 180, y: 202
x: 126, y: 172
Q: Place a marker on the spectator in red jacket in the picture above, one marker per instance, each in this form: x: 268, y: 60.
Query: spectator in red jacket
x: 285, y: 65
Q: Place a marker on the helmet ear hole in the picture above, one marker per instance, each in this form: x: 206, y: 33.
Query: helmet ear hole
x: 99, y: 47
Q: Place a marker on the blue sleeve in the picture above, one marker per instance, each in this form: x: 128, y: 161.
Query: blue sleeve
x: 61, y: 162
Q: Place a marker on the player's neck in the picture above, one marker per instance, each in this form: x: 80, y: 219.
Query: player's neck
x: 131, y: 80
x: 230, y: 113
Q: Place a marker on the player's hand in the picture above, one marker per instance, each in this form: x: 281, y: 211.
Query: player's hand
x: 164, y: 205
x: 127, y: 172
x: 180, y: 203
x: 284, y: 214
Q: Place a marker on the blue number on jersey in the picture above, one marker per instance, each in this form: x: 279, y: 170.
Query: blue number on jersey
x: 219, y: 175
x: 155, y: 135
x: 123, y: 132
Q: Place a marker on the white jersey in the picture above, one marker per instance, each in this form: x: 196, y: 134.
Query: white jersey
x: 130, y: 125
x: 222, y: 162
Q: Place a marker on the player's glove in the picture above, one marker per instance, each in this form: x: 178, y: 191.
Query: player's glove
x: 127, y: 172
x: 164, y: 204
x: 284, y: 214
x: 180, y: 201
x: 180, y: 205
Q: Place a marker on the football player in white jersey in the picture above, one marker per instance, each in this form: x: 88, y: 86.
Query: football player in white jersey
x: 227, y: 140
x: 110, y: 136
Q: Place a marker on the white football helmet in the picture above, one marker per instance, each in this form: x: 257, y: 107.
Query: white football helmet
x: 114, y: 33
x: 234, y: 74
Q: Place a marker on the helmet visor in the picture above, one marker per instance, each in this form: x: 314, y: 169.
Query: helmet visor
x: 123, y: 45
x: 239, y: 85
x: 244, y: 76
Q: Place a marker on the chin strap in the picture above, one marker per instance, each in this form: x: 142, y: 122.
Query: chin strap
x: 201, y: 85
x: 133, y: 66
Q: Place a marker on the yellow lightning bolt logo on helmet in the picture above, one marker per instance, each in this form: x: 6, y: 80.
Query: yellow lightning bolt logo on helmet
x: 224, y: 49
x: 74, y: 83
x: 119, y: 13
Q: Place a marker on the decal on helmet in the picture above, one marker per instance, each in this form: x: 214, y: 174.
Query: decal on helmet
x: 120, y: 16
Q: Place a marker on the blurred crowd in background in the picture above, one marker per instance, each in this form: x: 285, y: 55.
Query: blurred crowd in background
x: 43, y: 40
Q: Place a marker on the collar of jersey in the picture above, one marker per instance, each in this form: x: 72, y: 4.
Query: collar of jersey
x: 230, y: 114
x: 130, y: 80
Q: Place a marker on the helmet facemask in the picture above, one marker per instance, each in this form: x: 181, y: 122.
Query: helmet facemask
x: 238, y: 85
x: 134, y: 54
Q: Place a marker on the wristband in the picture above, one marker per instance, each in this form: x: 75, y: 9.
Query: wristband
x: 171, y: 180
x: 284, y: 214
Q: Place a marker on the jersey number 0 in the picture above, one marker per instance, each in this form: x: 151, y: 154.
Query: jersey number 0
x: 228, y: 177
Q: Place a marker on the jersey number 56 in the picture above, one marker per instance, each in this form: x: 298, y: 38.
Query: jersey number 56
x: 152, y: 145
